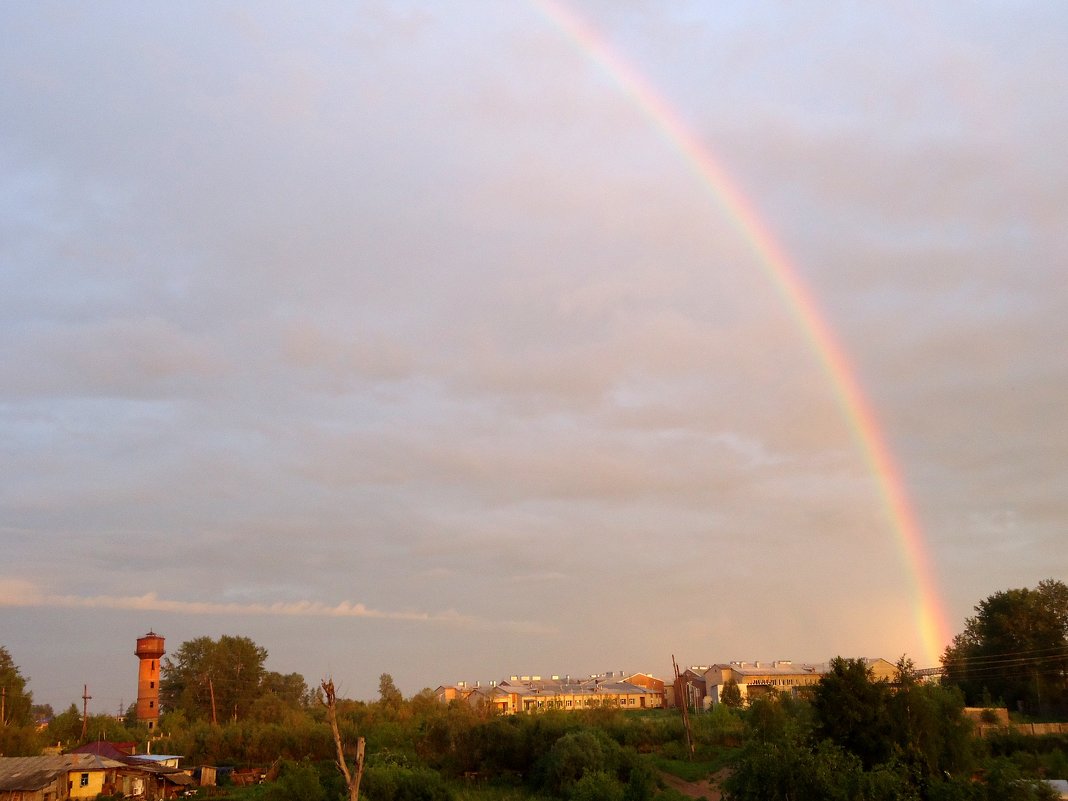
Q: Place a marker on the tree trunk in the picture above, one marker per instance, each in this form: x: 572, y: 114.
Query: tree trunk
x: 352, y: 779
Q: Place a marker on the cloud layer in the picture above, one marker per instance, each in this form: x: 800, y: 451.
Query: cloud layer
x: 416, y: 307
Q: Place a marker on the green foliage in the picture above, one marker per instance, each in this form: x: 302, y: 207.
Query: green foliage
x: 597, y: 785
x: 788, y: 770
x: 18, y: 700
x: 851, y: 710
x: 19, y: 741
x: 870, y: 740
x: 205, y: 677
x: 731, y: 695
x: 296, y: 782
x: 721, y: 726
x: 1015, y: 648
x: 66, y: 727
x: 641, y: 781
x: 394, y: 783
x: 574, y: 756
x: 928, y: 730
x: 290, y: 689
x: 388, y: 694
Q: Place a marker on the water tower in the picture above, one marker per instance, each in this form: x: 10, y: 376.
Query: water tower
x: 149, y: 650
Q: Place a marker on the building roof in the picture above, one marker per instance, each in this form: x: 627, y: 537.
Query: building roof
x: 27, y: 774
x: 780, y: 667
x: 106, y: 748
x: 37, y: 772
x: 786, y: 667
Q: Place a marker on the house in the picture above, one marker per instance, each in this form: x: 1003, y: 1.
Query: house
x: 152, y: 776
x: 150, y: 780
x: 56, y: 777
x: 690, y: 687
x: 647, y: 681
x: 28, y: 779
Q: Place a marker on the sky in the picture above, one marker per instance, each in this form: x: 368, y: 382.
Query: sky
x: 410, y: 338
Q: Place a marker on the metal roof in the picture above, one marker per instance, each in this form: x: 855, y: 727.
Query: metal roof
x: 36, y: 772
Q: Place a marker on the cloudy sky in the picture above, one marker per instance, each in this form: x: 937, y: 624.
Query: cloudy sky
x: 400, y: 337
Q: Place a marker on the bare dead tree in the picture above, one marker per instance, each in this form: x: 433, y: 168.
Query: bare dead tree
x: 352, y: 779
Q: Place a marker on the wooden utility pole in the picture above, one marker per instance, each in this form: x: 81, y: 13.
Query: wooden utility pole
x: 685, y: 706
x: 3, y: 706
x: 352, y: 780
x: 85, y: 710
x: 211, y: 691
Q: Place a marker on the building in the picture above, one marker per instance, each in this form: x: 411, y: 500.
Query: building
x: 533, y: 693
x: 148, y: 652
x: 56, y: 777
x: 147, y: 776
x: 783, y: 675
x: 690, y: 688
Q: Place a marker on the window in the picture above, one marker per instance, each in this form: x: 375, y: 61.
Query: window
x: 151, y: 704
x: 152, y: 685
x: 153, y: 664
x: 84, y: 781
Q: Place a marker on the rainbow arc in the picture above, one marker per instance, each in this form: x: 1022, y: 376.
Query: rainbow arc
x: 928, y: 609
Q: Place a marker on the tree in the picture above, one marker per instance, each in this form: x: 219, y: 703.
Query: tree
x: 66, y: 727
x: 213, y: 680
x: 290, y: 688
x: 17, y: 700
x: 388, y: 694
x: 1015, y: 649
x: 352, y: 779
x: 930, y: 733
x: 850, y: 709
x: 297, y: 782
x: 731, y: 694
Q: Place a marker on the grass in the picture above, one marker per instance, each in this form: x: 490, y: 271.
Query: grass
x: 696, y: 770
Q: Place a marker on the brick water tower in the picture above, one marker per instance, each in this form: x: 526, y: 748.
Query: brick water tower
x: 149, y: 650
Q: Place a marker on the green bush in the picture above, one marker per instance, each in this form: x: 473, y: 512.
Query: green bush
x: 598, y: 785
x: 395, y: 783
x: 299, y: 781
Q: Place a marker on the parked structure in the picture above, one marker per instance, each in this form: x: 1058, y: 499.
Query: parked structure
x: 148, y: 652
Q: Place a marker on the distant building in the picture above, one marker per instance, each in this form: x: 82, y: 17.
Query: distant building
x: 690, y: 688
x: 755, y: 679
x: 148, y: 652
x: 533, y: 693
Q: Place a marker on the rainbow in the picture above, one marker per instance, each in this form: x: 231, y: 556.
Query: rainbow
x: 929, y: 611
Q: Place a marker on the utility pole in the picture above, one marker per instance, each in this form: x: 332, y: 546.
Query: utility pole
x: 3, y: 705
x: 85, y: 709
x: 685, y: 705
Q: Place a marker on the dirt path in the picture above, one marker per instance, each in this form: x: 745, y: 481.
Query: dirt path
x: 706, y: 788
